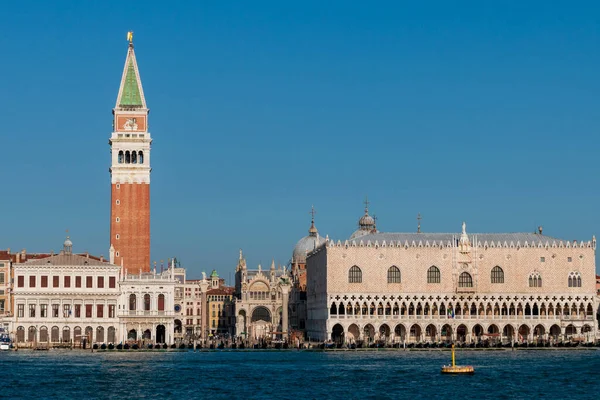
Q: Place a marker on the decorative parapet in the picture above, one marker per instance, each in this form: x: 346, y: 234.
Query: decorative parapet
x: 448, y: 244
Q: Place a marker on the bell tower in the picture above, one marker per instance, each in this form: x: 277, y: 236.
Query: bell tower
x: 130, y: 171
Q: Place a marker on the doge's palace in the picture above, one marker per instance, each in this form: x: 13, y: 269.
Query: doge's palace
x: 433, y: 287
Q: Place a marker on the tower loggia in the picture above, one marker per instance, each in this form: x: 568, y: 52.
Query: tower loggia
x: 130, y: 169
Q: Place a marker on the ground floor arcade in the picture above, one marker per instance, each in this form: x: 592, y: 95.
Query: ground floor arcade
x: 418, y: 331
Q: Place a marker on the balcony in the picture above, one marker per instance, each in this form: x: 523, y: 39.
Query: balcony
x: 140, y: 313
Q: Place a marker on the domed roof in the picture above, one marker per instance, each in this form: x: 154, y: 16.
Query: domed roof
x: 307, y: 243
x: 366, y: 220
x: 366, y: 224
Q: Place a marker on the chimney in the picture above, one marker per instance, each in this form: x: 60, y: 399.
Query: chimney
x: 101, y: 257
x: 8, y: 250
x: 24, y: 255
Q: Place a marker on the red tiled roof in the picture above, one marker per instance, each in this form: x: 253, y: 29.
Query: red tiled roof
x: 226, y: 290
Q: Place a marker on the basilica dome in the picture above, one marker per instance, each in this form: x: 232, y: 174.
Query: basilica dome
x: 366, y: 224
x: 307, y: 244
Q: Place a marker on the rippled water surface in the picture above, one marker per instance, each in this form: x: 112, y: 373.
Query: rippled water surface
x: 299, y: 374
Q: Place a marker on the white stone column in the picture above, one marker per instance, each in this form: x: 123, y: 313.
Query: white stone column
x: 285, y: 292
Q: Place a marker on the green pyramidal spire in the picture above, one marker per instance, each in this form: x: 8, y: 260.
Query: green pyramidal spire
x: 131, y: 94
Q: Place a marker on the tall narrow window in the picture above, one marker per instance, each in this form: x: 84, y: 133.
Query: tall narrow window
x: 77, y: 281
x: 132, y: 302
x: 465, y: 280
x: 32, y: 281
x: 44, y: 281
x: 161, y: 302
x: 100, y: 282
x: 133, y: 157
x: 497, y: 275
x: 55, y: 281
x: 88, y: 310
x: 355, y: 275
x: 121, y: 157
x: 112, y: 282
x: 141, y: 157
x: 433, y: 275
x: 67, y: 281
x: 146, y: 302
x: 21, y: 281
x: 127, y: 157
x: 89, y: 280
x: 393, y: 275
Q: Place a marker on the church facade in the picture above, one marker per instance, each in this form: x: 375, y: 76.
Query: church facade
x: 432, y: 287
x: 261, y: 302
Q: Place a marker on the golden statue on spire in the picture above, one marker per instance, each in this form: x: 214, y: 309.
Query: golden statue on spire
x: 130, y: 37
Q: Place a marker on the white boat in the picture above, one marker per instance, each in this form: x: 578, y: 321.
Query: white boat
x: 5, y: 343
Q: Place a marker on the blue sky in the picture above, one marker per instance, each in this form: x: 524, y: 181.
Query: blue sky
x: 457, y: 110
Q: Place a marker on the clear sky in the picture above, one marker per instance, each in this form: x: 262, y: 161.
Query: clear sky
x: 457, y: 110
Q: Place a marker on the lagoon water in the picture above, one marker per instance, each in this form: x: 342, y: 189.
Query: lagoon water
x: 299, y: 374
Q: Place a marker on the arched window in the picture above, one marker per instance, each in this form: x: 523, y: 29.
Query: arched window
x: 133, y: 157
x: 535, y: 280
x: 574, y: 279
x: 127, y: 157
x: 355, y: 275
x: 433, y: 275
x: 465, y: 280
x: 497, y: 275
x: 121, y: 157
x: 146, y: 302
x: 141, y: 157
x: 394, y: 275
x: 161, y: 302
x: 132, y: 302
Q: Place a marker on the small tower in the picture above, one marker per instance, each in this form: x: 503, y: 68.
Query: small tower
x: 214, y: 279
x: 130, y: 171
x: 68, y: 246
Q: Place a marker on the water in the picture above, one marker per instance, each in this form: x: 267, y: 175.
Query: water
x: 299, y: 374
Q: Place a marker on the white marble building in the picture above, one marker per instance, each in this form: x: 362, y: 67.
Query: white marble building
x: 146, y: 307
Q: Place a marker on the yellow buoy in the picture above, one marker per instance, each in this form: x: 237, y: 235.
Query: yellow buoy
x: 456, y: 369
